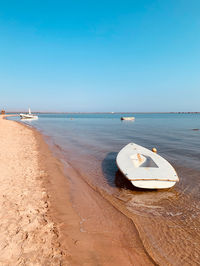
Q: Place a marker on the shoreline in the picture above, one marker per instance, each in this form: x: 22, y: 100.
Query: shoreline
x: 91, y: 223
x: 107, y: 238
x: 88, y: 243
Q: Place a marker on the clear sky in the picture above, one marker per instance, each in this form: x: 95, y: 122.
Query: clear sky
x: 112, y: 55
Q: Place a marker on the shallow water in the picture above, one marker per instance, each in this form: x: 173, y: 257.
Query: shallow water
x: 168, y: 221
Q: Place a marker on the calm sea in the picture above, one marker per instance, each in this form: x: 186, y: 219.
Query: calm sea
x: 168, y: 221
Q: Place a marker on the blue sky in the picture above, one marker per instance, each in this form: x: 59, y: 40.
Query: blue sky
x: 100, y: 55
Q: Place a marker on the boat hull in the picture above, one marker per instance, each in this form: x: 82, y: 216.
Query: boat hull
x: 145, y: 169
x: 153, y: 184
x: 29, y: 117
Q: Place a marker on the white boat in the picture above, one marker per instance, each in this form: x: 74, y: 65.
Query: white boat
x: 29, y: 115
x: 145, y: 169
x: 129, y: 118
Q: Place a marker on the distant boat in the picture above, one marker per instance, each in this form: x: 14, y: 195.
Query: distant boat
x: 130, y: 118
x: 144, y: 168
x: 29, y: 115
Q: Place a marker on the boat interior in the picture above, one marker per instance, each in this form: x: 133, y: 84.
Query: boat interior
x: 140, y: 160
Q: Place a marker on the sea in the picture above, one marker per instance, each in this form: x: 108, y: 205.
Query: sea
x: 168, y: 221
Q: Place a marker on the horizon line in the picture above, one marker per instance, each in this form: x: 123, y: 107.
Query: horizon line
x: 130, y: 112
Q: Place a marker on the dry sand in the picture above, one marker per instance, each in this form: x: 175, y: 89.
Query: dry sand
x: 27, y: 235
x: 41, y: 222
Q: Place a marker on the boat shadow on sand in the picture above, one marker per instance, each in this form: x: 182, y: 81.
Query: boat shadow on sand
x: 114, y: 177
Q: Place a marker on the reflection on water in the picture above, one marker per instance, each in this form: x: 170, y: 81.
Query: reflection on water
x: 167, y: 220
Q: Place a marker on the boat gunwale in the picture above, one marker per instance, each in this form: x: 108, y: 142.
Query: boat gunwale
x: 154, y: 179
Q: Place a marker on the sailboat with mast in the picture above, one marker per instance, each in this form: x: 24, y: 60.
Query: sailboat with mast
x: 29, y: 115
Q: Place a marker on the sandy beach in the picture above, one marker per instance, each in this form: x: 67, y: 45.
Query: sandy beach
x: 28, y: 235
x: 40, y: 224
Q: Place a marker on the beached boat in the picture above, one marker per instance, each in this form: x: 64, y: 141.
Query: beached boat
x: 145, y: 169
x: 128, y: 118
x: 29, y: 115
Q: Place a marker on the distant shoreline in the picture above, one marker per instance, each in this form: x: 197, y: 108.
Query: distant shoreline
x: 39, y: 112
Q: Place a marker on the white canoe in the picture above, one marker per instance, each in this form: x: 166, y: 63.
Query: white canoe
x: 145, y: 169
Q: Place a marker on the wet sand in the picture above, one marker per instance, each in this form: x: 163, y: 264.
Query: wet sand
x: 42, y: 222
